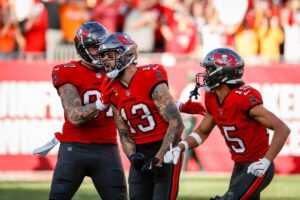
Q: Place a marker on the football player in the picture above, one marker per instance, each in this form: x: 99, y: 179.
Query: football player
x: 237, y: 109
x: 88, y: 141
x: 146, y: 117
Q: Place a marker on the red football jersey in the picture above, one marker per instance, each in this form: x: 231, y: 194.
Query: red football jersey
x: 246, y: 138
x: 102, y: 128
x: 136, y: 105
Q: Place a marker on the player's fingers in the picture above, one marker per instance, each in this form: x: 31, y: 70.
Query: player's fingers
x: 249, y: 169
x: 176, y: 157
x: 109, y: 83
x: 259, y: 174
x: 103, y: 84
x: 109, y: 91
x: 168, y: 157
x: 256, y: 173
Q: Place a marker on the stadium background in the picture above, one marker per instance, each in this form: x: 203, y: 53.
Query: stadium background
x: 30, y: 110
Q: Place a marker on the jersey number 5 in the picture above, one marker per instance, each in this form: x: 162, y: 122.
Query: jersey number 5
x: 235, y: 144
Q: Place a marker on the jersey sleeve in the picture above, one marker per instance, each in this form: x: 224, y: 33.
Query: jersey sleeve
x: 250, y: 98
x: 62, y: 74
x: 157, y: 74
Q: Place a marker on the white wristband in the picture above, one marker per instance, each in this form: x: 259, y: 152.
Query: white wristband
x: 196, y: 137
x: 100, y: 106
x: 185, y: 144
x: 178, y: 104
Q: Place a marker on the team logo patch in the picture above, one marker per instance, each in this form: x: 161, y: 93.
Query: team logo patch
x: 82, y: 34
x: 252, y: 99
x: 98, y: 75
x: 225, y: 60
x: 159, y: 75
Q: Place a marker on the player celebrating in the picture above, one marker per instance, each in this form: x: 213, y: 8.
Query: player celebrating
x: 146, y: 117
x: 239, y: 113
x: 88, y: 143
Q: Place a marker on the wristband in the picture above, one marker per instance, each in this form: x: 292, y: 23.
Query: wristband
x: 178, y: 104
x: 196, y: 137
x: 185, y: 144
x: 100, y: 106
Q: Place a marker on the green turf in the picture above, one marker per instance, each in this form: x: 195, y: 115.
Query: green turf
x: 192, y: 187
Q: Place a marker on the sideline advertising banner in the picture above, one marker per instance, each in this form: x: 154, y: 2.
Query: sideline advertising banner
x: 31, y: 111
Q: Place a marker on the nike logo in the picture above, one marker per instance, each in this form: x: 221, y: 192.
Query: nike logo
x: 245, y: 93
x: 154, y: 68
x: 56, y: 69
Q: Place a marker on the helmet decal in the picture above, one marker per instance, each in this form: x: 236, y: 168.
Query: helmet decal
x: 82, y: 34
x: 224, y: 60
x: 125, y: 40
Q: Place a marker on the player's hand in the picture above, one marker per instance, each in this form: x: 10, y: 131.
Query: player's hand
x: 152, y: 166
x: 137, y: 160
x: 259, y: 168
x: 192, y: 107
x: 106, y: 90
x: 172, y: 155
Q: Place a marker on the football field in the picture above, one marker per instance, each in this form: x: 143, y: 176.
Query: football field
x: 192, y: 186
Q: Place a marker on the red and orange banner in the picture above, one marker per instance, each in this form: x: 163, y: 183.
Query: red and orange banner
x: 31, y: 111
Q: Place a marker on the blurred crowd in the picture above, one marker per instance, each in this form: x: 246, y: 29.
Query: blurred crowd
x: 265, y: 29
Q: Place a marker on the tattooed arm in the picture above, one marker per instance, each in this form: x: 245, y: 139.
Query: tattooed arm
x: 167, y: 108
x: 127, y: 142
x: 72, y: 104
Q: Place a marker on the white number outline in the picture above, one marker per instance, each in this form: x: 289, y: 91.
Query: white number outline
x: 147, y: 115
x: 241, y: 148
x: 97, y: 93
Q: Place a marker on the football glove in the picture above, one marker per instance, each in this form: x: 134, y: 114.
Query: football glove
x: 259, y: 168
x: 46, y: 148
x: 137, y: 160
x: 191, y: 107
x: 151, y: 167
x: 106, y: 90
x: 172, y: 155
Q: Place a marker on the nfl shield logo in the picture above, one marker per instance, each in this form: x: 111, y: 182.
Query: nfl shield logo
x: 220, y: 111
x: 98, y: 75
x: 127, y: 93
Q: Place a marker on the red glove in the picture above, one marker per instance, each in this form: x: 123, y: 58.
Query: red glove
x: 58, y: 136
x: 190, y: 107
x: 106, y: 90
